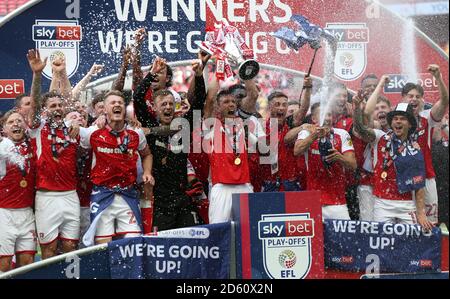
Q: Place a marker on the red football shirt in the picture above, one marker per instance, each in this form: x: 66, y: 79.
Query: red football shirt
x: 222, y: 158
x: 331, y: 182
x: 344, y: 123
x: 54, y: 173
x: 287, y: 162
x: 199, y: 160
x: 425, y: 126
x: 385, y: 188
x: 110, y: 167
x: 12, y: 194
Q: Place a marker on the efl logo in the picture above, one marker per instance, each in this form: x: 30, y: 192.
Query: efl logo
x: 299, y: 228
x: 189, y: 233
x: 398, y: 81
x: 351, y: 54
x: 10, y: 89
x: 56, y: 33
x: 286, y: 244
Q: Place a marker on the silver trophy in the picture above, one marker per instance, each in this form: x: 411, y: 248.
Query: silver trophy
x: 248, y: 68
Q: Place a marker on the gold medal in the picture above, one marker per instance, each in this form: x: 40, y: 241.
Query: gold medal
x: 23, y: 183
x: 237, y: 161
x: 384, y: 175
x: 164, y: 161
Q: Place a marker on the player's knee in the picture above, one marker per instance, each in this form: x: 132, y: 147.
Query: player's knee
x: 69, y: 245
x: 5, y: 264
x: 25, y: 259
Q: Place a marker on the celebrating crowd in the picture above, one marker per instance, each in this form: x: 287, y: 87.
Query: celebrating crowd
x: 138, y: 164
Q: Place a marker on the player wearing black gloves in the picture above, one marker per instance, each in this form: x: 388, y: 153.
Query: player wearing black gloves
x: 174, y: 189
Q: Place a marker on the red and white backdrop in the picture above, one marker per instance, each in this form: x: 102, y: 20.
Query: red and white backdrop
x: 370, y: 40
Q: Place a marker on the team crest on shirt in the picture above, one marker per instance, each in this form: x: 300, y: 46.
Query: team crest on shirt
x: 286, y: 244
x: 349, y: 141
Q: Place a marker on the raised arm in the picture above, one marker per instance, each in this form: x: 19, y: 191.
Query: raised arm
x: 197, y: 87
x: 372, y: 102
x: 139, y: 37
x: 37, y: 66
x: 248, y: 103
x: 213, y: 90
x: 81, y: 86
x: 141, y: 107
x: 60, y: 80
x: 304, y: 102
x: 439, y: 109
x: 126, y: 58
x: 359, y: 128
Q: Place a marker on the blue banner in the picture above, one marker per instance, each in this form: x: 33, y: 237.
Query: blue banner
x: 381, y: 247
x: 196, y: 252
x: 89, y: 32
x: 278, y: 235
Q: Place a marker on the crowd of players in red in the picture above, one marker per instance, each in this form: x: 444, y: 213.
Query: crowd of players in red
x: 71, y: 179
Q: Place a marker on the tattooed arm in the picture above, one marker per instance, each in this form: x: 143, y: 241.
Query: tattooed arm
x: 37, y: 66
x: 359, y: 128
x: 304, y: 102
x: 120, y: 81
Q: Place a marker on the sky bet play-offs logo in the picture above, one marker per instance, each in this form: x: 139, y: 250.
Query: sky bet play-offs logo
x: 351, y: 54
x: 286, y: 241
x: 58, y: 38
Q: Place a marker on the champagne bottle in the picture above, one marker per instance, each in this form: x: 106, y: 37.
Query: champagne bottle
x: 324, y: 147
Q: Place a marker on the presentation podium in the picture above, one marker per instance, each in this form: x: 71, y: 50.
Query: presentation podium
x: 278, y: 235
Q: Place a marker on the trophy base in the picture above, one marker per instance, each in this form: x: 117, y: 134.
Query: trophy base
x: 249, y: 69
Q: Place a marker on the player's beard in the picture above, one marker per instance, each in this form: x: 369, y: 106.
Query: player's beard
x: 56, y: 120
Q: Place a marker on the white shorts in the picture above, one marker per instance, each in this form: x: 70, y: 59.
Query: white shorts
x: 431, y: 200
x: 117, y: 219
x: 17, y: 232
x: 221, y: 198
x: 366, y: 202
x: 57, y: 216
x: 335, y: 212
x: 394, y: 211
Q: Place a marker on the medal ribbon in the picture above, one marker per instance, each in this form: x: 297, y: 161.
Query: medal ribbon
x: 26, y: 168
x: 123, y: 146
x: 234, y: 140
x: 390, y: 154
x: 56, y: 152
